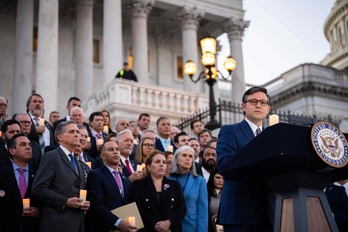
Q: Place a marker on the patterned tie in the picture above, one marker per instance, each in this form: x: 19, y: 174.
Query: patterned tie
x: 40, y: 136
x: 118, y: 181
x: 22, y: 182
x: 128, y: 167
x: 73, y: 162
x: 258, y: 131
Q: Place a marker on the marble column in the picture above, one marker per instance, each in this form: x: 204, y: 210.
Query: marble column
x: 47, y: 54
x: 189, y: 19
x: 84, y: 49
x: 235, y: 30
x: 23, y: 65
x: 140, y: 10
x: 164, y: 41
x: 112, y: 39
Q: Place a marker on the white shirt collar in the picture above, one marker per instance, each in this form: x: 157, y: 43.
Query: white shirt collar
x: 252, y: 126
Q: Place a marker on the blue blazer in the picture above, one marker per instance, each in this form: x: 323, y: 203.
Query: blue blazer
x: 159, y: 145
x: 104, y: 195
x: 242, y: 202
x: 196, y: 198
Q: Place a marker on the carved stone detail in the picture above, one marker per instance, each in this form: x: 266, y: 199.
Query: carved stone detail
x: 235, y: 28
x: 189, y: 16
x: 141, y: 8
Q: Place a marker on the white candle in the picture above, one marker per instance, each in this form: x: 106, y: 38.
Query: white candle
x: 26, y: 203
x: 106, y: 129
x: 131, y: 221
x: 0, y: 133
x: 135, y: 141
x: 41, y: 122
x: 100, y: 142
x: 273, y: 119
x: 83, y: 194
x: 89, y: 139
x: 139, y: 168
x: 89, y: 164
x: 170, y: 148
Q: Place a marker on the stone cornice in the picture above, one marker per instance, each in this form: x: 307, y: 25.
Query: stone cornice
x: 309, y: 88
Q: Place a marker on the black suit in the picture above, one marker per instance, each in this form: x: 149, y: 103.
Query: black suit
x: 11, y: 207
x: 93, y: 151
x: 155, y: 207
x: 104, y: 195
x: 338, y: 200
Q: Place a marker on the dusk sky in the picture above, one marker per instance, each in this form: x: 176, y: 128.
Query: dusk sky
x: 282, y: 34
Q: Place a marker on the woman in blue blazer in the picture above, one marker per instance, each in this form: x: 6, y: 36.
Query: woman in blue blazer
x: 194, y: 188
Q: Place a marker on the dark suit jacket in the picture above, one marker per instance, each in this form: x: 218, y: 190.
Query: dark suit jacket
x: 93, y: 151
x: 34, y: 162
x: 11, y: 207
x: 125, y: 170
x: 242, y: 202
x: 159, y: 146
x: 104, y: 195
x: 338, y: 200
x: 55, y: 182
x: 169, y: 204
x: 35, y: 136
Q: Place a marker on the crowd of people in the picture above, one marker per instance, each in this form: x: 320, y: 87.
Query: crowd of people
x: 176, y: 181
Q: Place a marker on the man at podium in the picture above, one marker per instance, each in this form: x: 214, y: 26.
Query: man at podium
x: 243, y: 205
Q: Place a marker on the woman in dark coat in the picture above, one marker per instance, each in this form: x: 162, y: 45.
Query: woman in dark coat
x: 160, y: 201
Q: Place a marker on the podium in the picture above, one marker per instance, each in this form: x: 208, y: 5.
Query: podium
x: 284, y: 157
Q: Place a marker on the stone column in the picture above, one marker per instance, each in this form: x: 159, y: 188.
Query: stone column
x: 140, y: 10
x: 163, y: 39
x: 189, y: 19
x: 112, y: 39
x: 47, y: 54
x: 235, y: 29
x: 23, y: 65
x: 84, y: 49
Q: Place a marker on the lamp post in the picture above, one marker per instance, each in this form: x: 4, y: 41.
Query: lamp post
x: 209, y: 74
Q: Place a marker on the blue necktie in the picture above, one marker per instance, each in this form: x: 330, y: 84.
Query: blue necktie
x: 73, y: 162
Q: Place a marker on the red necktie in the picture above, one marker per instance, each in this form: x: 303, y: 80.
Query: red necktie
x: 128, y: 167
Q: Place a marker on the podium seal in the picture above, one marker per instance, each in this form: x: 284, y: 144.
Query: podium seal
x: 330, y: 144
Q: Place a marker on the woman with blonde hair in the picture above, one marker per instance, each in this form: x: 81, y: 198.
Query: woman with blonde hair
x: 145, y: 147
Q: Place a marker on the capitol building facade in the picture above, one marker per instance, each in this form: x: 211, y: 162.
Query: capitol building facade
x: 65, y: 48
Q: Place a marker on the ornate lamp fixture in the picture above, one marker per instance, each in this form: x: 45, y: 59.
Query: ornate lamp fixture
x: 210, y: 73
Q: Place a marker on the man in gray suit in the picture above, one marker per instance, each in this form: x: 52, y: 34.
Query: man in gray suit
x: 58, y: 182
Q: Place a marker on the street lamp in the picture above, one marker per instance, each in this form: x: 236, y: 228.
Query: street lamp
x: 209, y: 74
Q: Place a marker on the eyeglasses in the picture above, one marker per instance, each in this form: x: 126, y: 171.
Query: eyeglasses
x: 3, y: 105
x: 25, y: 122
x: 254, y: 102
x: 148, y: 145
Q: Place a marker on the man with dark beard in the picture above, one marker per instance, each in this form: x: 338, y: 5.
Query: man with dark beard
x: 208, y: 162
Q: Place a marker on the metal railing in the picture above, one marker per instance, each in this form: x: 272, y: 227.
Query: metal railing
x: 230, y: 112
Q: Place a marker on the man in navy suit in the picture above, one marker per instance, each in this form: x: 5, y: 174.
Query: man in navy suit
x: 125, y: 142
x: 96, y: 122
x: 107, y: 189
x: 243, y: 205
x: 163, y: 138
x: 15, y: 184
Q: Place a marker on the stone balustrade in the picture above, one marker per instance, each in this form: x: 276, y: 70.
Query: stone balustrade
x: 127, y: 99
